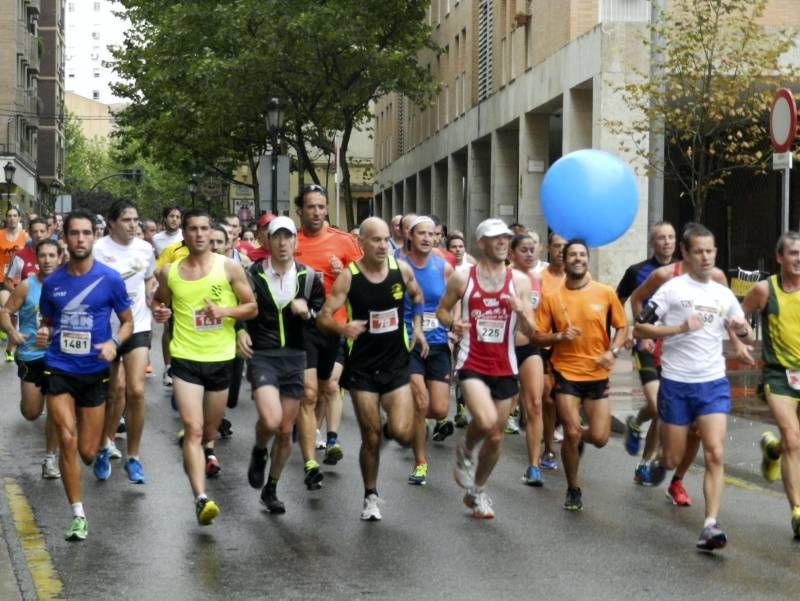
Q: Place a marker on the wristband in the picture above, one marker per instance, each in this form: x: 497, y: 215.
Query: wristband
x: 615, y: 352
x: 117, y: 342
x: 417, y: 309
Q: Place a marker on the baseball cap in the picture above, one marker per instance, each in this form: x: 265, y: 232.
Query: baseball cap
x: 282, y: 223
x: 264, y: 220
x: 491, y: 228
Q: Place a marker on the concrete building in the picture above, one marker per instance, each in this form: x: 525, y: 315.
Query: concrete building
x: 20, y: 51
x: 92, y: 27
x: 51, y: 102
x: 523, y: 82
x: 96, y: 119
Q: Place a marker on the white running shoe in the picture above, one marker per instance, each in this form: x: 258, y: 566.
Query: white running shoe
x: 464, y: 472
x: 50, y: 469
x: 166, y: 379
x: 558, y: 434
x: 512, y: 425
x: 371, y: 511
x: 114, y: 452
x: 481, y: 504
x: 321, y: 443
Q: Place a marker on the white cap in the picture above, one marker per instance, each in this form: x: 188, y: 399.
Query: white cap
x: 281, y: 223
x: 420, y: 219
x: 491, y: 228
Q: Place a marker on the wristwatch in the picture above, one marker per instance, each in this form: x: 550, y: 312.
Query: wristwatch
x: 615, y: 352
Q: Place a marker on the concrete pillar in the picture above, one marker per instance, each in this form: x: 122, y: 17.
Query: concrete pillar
x: 534, y: 142
x: 479, y: 171
x: 397, y: 198
x: 457, y: 191
x: 577, y: 119
x: 424, y: 192
x: 439, y: 191
x: 410, y: 194
x: 505, y: 175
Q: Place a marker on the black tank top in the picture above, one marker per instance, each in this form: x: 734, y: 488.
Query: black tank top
x: 383, y: 347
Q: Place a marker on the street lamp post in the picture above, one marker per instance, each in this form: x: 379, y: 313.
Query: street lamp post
x: 53, y: 189
x: 9, y: 171
x: 275, y: 117
x: 192, y: 187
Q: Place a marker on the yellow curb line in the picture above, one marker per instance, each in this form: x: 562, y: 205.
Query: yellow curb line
x: 744, y: 485
x: 47, y: 583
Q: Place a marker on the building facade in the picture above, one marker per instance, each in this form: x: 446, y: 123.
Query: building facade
x: 523, y: 82
x: 51, y: 103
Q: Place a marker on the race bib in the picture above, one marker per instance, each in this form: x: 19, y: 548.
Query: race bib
x: 535, y: 300
x: 491, y: 331
x: 38, y: 320
x: 793, y: 377
x: 76, y: 343
x: 381, y: 322
x: 429, y: 322
x: 203, y: 322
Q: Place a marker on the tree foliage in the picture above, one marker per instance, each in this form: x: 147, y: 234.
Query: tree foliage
x: 709, y: 94
x: 200, y: 75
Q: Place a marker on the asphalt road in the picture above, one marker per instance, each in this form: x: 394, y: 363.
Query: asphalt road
x: 144, y: 542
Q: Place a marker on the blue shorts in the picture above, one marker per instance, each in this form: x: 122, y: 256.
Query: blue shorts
x: 680, y: 403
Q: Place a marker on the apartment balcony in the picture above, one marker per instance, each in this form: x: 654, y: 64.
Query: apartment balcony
x: 28, y: 46
x: 630, y: 11
x: 34, y: 6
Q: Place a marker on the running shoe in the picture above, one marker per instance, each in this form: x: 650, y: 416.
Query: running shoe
x: 9, y: 357
x: 122, y: 428
x: 533, y: 477
x: 113, y: 451
x: 641, y: 475
x: 512, y: 427
x: 770, y: 457
x: 712, y: 538
x: 213, y: 468
x: 320, y: 442
x: 796, y: 522
x: 480, y: 503
x: 50, y: 469
x: 548, y: 462
x: 574, y: 500
x: 313, y: 475
x: 333, y: 454
x: 148, y: 371
x: 173, y: 403
x: 102, y: 465
x: 461, y: 420
x: 419, y: 476
x: 78, y: 529
x: 133, y: 467
x: 166, y: 379
x: 633, y: 436
x: 558, y: 434
x: 371, y: 511
x: 206, y: 511
x: 676, y: 494
x: 258, y: 463
x: 225, y: 430
x: 464, y: 472
x: 270, y: 500
x: 443, y: 429
x: 657, y: 473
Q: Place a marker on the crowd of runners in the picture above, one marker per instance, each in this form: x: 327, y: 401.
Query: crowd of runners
x: 401, y: 316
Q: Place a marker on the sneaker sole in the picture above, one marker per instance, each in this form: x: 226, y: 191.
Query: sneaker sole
x: 333, y: 457
x: 415, y: 482
x: 672, y: 500
x: 275, y: 510
x: 208, y: 513
x: 371, y: 518
x: 533, y: 483
x: 75, y: 537
x: 313, y: 481
x: 718, y: 542
x: 136, y: 480
x: 479, y: 516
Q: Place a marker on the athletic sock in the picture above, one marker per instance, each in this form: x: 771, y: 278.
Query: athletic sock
x: 676, y: 478
x: 709, y: 522
x: 199, y: 497
x: 134, y: 457
x: 77, y: 510
x: 370, y: 491
x: 208, y: 452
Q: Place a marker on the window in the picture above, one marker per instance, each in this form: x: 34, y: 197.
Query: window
x: 485, y: 29
x: 95, y: 35
x: 71, y: 7
x: 96, y: 73
x: 71, y: 75
x: 96, y: 7
x: 95, y: 94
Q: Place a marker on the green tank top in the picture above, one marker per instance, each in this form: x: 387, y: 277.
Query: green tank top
x: 195, y: 336
x: 780, y: 321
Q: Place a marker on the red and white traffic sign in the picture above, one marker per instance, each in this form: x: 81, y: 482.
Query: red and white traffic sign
x: 782, y: 120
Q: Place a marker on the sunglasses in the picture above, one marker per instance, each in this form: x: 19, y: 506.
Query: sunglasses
x: 314, y: 188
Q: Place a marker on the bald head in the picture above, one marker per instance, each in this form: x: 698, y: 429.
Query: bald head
x: 373, y: 226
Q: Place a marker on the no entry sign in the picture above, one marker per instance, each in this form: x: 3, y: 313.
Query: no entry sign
x: 782, y: 120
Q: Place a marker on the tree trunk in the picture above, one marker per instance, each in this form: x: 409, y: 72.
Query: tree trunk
x: 348, y: 192
x: 253, y: 164
x: 699, y: 204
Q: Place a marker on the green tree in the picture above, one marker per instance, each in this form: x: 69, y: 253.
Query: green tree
x: 200, y: 75
x: 709, y: 94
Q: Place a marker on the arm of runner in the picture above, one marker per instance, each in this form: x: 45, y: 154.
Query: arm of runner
x: 756, y: 299
x: 647, y: 288
x: 452, y: 295
x: 108, y: 349
x: 244, y: 344
x: 620, y: 323
x: 546, y: 334
x: 521, y: 304
x: 162, y: 298
x: 247, y: 307
x: 647, y: 320
x: 418, y: 305
x: 334, y: 302
x: 14, y: 302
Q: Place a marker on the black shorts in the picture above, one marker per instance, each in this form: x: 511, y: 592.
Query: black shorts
x: 321, y: 352
x: 138, y: 340
x: 436, y: 366
x: 592, y: 389
x: 211, y: 375
x: 500, y: 387
x: 547, y: 353
x: 280, y: 369
x: 525, y: 351
x: 87, y: 390
x: 342, y: 352
x: 31, y: 371
x: 646, y: 366
x: 380, y: 382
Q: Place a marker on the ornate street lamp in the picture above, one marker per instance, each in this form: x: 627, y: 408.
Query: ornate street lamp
x: 9, y: 170
x: 275, y: 118
x: 192, y: 187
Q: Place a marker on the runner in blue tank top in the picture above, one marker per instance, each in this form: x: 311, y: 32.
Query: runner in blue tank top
x: 76, y: 305
x: 430, y: 375
x: 24, y: 301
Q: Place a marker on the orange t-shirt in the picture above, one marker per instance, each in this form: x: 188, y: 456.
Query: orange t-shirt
x: 317, y: 252
x: 8, y: 249
x: 590, y: 309
x: 551, y: 282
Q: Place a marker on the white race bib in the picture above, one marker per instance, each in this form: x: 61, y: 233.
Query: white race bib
x: 535, y: 300
x: 429, y: 322
x: 491, y: 331
x: 76, y: 343
x: 381, y: 322
x: 793, y: 377
x: 203, y: 322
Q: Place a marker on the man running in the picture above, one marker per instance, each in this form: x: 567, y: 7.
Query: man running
x: 779, y: 299
x: 576, y: 319
x: 691, y: 313
x: 133, y: 259
x: 376, y: 367
x: 30, y: 357
x: 208, y: 293
x: 76, y: 304
x: 171, y: 218
x: 327, y: 251
x: 13, y: 238
x: 288, y: 296
x: 25, y: 261
x: 430, y: 375
x: 398, y: 239
x: 495, y: 301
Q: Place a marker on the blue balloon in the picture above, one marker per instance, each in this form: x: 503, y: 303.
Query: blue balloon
x: 590, y: 194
